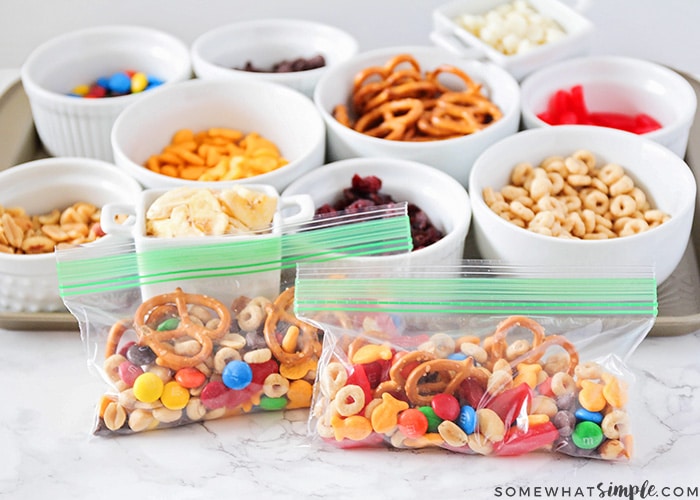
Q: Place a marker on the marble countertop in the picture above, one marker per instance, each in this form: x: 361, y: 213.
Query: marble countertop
x: 47, y: 450
x: 47, y: 417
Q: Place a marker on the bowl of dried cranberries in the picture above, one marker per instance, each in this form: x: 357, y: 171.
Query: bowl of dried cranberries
x: 438, y: 206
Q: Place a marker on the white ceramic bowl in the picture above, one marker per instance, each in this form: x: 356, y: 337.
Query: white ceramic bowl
x: 621, y: 85
x: 274, y: 111
x: 30, y: 282
x: 73, y: 126
x: 662, y: 175
x: 265, y: 42
x: 441, y: 197
x: 450, y: 34
x: 290, y: 211
x: 452, y: 156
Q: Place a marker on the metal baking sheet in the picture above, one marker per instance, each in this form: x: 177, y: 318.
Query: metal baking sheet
x: 679, y: 295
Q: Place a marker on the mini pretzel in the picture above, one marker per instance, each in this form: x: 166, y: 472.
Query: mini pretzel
x: 115, y: 334
x: 159, y: 341
x: 397, y: 381
x: 456, y: 372
x: 390, y: 120
x: 280, y: 311
x: 562, y: 342
x: 496, y: 345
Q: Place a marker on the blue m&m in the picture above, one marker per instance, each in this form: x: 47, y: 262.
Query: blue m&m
x: 117, y: 84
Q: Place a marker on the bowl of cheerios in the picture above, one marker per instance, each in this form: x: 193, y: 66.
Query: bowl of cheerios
x: 417, y: 103
x: 47, y: 204
x: 290, y: 52
x: 203, y: 132
x: 581, y: 195
x: 78, y: 82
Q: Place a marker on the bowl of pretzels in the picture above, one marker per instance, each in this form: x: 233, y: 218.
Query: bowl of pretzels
x: 582, y: 196
x: 417, y: 103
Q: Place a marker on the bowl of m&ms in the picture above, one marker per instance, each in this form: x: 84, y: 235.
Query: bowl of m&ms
x: 625, y: 93
x: 292, y: 52
x: 417, y: 103
x: 438, y: 206
x: 520, y: 36
x: 206, y: 131
x: 78, y: 82
x: 582, y: 196
x: 47, y: 204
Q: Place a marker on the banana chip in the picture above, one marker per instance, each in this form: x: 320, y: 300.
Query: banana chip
x: 188, y: 211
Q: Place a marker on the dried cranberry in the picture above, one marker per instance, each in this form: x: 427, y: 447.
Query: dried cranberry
x: 363, y: 193
x: 368, y: 184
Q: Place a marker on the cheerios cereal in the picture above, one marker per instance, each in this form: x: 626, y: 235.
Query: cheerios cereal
x: 574, y: 197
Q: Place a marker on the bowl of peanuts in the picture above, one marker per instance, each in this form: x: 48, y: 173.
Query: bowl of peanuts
x: 290, y: 52
x: 582, y: 196
x: 520, y: 36
x: 203, y: 132
x: 46, y: 204
x: 417, y: 103
x: 78, y: 83
x: 614, y: 91
x: 438, y: 206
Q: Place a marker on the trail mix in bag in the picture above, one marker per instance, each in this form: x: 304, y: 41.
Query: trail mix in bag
x: 172, y: 353
x: 489, y: 360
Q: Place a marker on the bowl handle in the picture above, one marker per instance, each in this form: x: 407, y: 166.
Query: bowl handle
x: 108, y: 219
x: 296, y: 208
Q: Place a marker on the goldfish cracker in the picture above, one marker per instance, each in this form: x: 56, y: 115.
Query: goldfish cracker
x: 216, y: 154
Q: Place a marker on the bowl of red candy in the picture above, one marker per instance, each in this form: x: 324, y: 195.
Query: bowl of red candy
x: 438, y: 206
x: 618, y: 92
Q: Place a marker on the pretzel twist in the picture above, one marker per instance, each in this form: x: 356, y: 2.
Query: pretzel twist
x: 280, y: 311
x: 151, y: 312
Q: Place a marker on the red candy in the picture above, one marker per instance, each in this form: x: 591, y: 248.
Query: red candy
x: 512, y: 402
x: 358, y: 377
x: 569, y: 107
x: 519, y: 441
x: 445, y: 406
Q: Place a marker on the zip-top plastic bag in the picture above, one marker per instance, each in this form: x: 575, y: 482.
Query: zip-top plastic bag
x: 172, y: 344
x: 480, y: 358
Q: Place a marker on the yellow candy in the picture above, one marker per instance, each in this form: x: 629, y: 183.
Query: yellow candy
x: 174, y: 397
x: 139, y: 82
x: 81, y: 89
x: 370, y: 353
x: 148, y: 387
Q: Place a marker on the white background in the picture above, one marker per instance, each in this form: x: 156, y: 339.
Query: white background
x: 666, y: 31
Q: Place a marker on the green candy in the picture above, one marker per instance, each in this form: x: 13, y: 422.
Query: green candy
x: 267, y: 403
x: 168, y: 324
x: 587, y: 435
x: 433, y: 419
